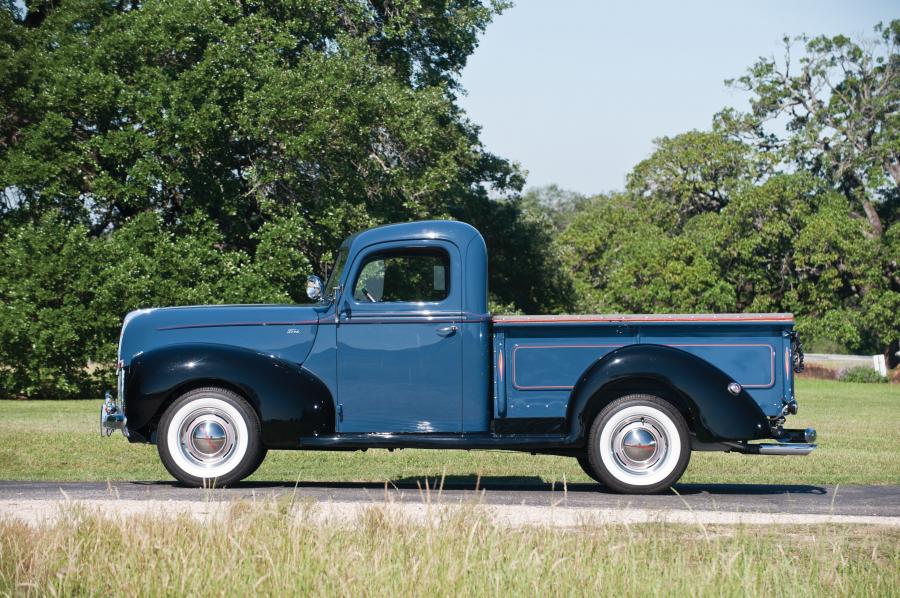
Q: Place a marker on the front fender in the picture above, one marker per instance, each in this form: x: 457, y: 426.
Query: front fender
x: 290, y: 401
x: 717, y: 414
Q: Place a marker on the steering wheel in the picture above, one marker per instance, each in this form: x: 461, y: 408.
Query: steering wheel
x: 369, y: 295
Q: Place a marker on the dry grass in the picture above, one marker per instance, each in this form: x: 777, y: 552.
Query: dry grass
x: 270, y: 550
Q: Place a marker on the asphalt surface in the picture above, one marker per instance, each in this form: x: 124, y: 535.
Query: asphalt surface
x: 880, y: 501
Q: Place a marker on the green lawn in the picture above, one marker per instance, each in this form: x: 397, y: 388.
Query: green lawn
x: 857, y: 423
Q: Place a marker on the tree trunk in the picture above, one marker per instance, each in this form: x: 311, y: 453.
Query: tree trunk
x: 37, y: 14
x: 873, y: 217
x: 892, y: 354
x: 893, y: 167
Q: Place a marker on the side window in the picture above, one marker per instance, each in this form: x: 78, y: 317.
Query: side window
x: 411, y: 275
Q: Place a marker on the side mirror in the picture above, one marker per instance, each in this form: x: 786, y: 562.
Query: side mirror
x: 315, y: 288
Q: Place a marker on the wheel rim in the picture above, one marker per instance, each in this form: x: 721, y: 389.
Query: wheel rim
x: 207, y: 437
x: 640, y: 445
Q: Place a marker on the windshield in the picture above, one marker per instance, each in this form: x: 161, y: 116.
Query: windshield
x: 335, y: 276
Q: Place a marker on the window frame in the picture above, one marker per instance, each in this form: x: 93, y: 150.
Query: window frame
x: 375, y: 253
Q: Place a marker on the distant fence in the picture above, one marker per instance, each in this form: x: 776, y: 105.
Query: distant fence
x: 876, y: 362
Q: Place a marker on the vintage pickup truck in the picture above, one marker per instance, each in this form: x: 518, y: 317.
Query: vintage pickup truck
x: 399, y: 351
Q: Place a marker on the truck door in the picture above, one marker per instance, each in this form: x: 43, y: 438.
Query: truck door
x: 399, y: 347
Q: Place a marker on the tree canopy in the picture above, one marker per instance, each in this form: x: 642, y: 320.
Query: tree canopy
x: 247, y: 138
x: 793, y: 205
x: 171, y: 152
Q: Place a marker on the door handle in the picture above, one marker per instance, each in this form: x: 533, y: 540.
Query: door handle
x: 447, y: 330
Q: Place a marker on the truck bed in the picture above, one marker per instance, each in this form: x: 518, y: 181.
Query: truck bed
x: 538, y: 359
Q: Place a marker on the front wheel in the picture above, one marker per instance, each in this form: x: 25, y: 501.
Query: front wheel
x: 587, y: 468
x: 639, y: 444
x: 210, y: 436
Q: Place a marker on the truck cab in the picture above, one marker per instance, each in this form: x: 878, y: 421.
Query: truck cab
x: 399, y: 351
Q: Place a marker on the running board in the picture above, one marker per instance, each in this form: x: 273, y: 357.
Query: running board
x: 518, y: 442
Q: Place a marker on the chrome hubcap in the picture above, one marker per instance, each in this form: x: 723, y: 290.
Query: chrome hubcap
x: 639, y: 444
x: 207, y: 437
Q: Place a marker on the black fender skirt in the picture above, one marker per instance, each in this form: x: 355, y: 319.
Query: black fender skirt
x: 291, y: 402
x: 702, y: 388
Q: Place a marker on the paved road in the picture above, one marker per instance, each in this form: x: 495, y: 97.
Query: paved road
x: 881, y: 501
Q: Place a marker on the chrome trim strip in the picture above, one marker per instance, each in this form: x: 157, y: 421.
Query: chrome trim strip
x: 643, y: 318
x: 517, y: 386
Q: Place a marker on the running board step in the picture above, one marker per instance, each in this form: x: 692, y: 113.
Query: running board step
x: 445, y: 441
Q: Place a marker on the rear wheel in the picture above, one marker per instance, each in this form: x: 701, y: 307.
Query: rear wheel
x: 210, y: 436
x: 639, y: 444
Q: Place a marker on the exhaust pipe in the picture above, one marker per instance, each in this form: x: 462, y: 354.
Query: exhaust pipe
x: 807, y: 436
x: 793, y: 443
x: 784, y: 449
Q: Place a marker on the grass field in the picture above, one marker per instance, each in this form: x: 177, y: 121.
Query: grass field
x: 857, y: 423
x: 268, y: 550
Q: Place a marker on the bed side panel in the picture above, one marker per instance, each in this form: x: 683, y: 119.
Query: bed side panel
x: 751, y: 354
x: 541, y: 363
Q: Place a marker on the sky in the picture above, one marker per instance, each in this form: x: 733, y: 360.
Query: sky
x: 575, y: 91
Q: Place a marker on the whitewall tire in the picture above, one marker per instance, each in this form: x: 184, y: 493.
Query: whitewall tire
x: 639, y: 444
x: 210, y: 436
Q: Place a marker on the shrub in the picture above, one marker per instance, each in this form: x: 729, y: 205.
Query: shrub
x: 63, y: 294
x: 861, y: 374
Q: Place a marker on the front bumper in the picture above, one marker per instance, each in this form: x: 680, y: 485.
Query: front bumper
x: 112, y: 417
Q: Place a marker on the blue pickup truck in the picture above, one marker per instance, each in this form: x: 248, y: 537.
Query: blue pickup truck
x: 399, y: 351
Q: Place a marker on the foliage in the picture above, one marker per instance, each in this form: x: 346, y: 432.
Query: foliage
x: 64, y: 294
x: 623, y: 262
x: 188, y: 151
x: 525, y: 270
x: 556, y: 205
x: 194, y: 151
x: 340, y: 113
x: 787, y: 244
x: 749, y: 218
x: 693, y: 173
x: 840, y: 104
x: 862, y: 374
x: 47, y: 276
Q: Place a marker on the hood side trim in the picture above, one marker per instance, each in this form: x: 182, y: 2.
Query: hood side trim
x: 231, y: 324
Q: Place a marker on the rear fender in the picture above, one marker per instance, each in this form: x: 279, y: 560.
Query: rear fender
x: 290, y: 401
x: 694, y: 385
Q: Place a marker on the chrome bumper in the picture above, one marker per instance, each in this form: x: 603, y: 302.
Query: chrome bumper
x: 112, y: 417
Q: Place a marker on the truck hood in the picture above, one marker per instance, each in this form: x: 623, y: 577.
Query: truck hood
x: 285, y: 331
